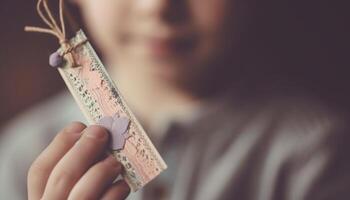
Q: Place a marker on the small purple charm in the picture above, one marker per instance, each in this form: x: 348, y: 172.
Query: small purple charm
x: 118, y: 127
x: 55, y: 59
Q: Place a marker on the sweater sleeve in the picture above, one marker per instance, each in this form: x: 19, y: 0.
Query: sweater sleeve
x: 20, y: 144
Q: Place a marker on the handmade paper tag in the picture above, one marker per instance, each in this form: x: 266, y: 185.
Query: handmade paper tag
x: 98, y: 97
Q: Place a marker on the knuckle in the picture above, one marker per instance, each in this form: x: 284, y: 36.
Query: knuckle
x: 62, y: 179
x: 36, y: 170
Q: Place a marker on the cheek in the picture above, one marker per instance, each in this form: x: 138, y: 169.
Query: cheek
x: 209, y: 18
x: 209, y: 15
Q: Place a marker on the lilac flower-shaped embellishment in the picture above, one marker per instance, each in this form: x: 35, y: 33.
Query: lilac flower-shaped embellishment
x: 118, y: 127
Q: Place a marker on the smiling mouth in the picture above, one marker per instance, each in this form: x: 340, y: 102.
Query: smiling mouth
x: 169, y: 46
x: 162, y: 47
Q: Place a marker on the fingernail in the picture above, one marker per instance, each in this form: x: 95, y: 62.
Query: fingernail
x: 95, y: 132
x: 126, y: 187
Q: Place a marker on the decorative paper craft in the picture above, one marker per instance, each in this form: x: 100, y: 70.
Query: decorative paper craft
x: 118, y: 127
x: 101, y: 102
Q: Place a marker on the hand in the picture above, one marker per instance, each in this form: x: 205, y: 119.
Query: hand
x: 75, y: 166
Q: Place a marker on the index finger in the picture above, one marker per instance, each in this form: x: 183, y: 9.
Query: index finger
x: 41, y: 168
x: 91, y: 146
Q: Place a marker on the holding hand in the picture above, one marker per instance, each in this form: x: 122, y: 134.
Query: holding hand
x: 75, y: 166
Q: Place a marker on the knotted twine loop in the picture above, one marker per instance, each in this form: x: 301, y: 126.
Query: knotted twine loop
x: 54, y: 29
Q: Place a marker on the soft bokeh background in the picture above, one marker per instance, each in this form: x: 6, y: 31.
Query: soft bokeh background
x: 309, y: 37
x: 26, y: 79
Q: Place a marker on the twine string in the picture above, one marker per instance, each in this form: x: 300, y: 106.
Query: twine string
x: 54, y: 29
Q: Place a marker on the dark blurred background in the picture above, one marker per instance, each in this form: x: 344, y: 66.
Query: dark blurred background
x: 26, y: 78
x: 307, y: 41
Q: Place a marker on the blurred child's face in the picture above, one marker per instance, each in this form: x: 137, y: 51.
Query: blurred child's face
x: 167, y: 38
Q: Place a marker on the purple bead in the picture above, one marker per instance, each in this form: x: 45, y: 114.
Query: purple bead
x: 55, y: 59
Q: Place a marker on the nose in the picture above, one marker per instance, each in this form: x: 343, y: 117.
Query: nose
x: 166, y: 10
